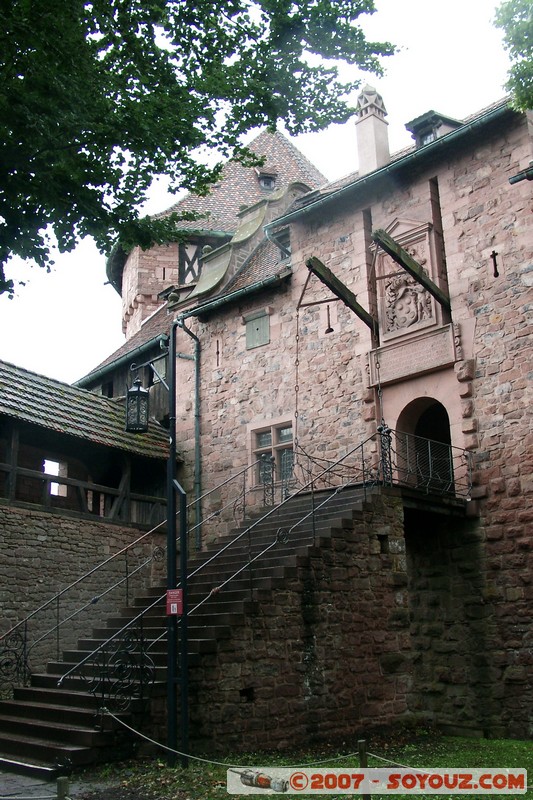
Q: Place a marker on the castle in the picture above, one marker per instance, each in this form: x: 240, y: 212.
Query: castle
x: 311, y: 315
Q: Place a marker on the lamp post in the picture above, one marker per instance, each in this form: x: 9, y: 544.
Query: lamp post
x: 137, y: 422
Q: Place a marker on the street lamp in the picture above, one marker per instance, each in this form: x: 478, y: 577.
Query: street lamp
x: 137, y: 407
x: 137, y: 414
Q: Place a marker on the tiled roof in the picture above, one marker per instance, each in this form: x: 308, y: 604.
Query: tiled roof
x: 264, y: 262
x: 238, y: 185
x: 33, y: 398
x: 157, y: 324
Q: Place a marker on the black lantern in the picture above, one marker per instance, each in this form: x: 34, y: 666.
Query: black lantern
x: 137, y: 408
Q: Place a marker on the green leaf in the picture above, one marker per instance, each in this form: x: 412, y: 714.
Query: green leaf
x: 97, y: 97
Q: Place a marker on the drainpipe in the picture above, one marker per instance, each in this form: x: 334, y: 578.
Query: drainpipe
x: 197, y: 454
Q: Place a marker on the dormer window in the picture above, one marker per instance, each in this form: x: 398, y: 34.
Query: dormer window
x: 431, y: 126
x: 267, y: 181
x: 266, y: 178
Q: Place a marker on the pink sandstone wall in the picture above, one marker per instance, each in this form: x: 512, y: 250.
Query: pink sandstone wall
x: 485, y: 385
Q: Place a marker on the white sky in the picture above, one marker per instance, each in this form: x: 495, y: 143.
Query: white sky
x: 65, y: 323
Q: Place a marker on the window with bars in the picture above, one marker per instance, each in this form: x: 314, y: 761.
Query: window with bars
x: 273, y: 446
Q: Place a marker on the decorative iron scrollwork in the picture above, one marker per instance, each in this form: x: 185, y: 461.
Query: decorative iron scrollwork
x: 14, y: 668
x: 385, y: 435
x: 282, y: 536
x: 158, y: 553
x: 239, y: 505
x: 267, y: 469
x: 121, y: 671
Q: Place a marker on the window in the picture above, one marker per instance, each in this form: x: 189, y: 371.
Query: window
x: 274, y: 446
x: 158, y: 370
x: 189, y: 262
x: 267, y: 179
x: 427, y: 137
x: 257, y: 329
x: 107, y: 389
x: 56, y: 468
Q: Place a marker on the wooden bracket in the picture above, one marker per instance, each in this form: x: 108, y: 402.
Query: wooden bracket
x: 341, y: 291
x: 411, y: 266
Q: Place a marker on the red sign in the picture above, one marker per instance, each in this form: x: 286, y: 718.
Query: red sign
x: 174, y: 602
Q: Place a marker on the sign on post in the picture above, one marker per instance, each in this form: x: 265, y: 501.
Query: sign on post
x: 174, y: 602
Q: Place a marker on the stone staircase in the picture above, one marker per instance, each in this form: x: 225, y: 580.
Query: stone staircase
x: 47, y: 729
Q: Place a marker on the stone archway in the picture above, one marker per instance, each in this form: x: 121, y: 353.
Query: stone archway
x: 424, y: 445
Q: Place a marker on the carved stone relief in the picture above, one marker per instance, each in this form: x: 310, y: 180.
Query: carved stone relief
x: 404, y: 305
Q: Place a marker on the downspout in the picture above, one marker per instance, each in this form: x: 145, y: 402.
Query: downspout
x: 197, y: 452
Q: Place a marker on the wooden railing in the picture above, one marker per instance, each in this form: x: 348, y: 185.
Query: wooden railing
x: 53, y: 492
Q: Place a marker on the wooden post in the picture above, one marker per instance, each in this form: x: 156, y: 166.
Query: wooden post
x: 363, y: 761
x: 62, y: 789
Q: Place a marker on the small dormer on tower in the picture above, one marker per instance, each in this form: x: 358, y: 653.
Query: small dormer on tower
x: 372, y: 131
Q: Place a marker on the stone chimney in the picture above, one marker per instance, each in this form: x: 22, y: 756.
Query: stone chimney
x: 372, y: 133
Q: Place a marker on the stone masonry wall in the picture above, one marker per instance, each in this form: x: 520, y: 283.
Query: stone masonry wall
x: 327, y: 653
x: 43, y: 553
x: 464, y: 677
x: 243, y: 390
x: 320, y: 382
x: 487, y: 393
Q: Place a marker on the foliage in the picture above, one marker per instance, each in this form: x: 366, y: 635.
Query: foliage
x: 99, y: 96
x: 515, y: 17
x: 423, y: 748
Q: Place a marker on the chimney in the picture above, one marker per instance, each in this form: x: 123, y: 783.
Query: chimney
x: 372, y: 134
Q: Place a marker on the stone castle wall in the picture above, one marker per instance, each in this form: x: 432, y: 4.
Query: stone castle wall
x: 44, y: 553
x: 326, y: 653
x: 467, y: 210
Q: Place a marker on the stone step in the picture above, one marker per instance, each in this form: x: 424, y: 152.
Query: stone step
x: 50, y: 752
x: 29, y: 766
x: 62, y: 701
x: 47, y: 724
x: 81, y: 716
x: 205, y: 645
x: 58, y: 731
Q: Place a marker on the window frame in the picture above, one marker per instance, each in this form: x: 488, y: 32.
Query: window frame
x: 276, y: 448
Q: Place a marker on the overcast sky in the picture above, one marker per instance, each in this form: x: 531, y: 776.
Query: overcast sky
x: 451, y: 60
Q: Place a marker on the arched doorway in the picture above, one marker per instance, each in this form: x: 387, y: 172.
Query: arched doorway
x: 423, y: 446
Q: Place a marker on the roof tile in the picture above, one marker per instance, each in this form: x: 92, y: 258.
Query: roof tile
x: 33, y: 398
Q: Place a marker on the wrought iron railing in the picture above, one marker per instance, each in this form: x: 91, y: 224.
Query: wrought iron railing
x: 430, y: 466
x: 46, y: 631
x: 322, y: 481
x: 121, y: 669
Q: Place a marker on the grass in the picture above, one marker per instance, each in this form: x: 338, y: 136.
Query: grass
x: 155, y: 780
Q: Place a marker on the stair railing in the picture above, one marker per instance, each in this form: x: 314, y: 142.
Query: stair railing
x: 19, y: 643
x: 385, y: 458
x: 99, y: 668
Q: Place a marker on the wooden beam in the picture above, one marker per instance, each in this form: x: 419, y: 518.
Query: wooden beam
x: 341, y: 291
x: 411, y: 266
x: 12, y: 459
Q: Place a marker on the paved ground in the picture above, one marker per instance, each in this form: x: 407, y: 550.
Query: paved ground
x: 19, y: 787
